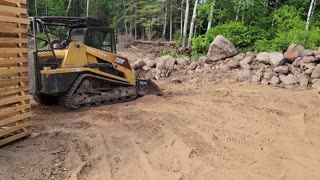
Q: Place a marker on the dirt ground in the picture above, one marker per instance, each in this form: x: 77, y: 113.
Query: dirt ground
x: 209, y: 131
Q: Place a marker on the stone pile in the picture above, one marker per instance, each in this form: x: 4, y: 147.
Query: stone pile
x: 296, y: 67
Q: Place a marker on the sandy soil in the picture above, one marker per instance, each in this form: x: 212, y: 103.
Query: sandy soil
x: 197, y: 130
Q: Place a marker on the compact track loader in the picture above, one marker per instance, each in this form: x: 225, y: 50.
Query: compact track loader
x: 79, y: 66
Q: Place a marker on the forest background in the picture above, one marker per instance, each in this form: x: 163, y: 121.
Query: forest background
x: 252, y: 25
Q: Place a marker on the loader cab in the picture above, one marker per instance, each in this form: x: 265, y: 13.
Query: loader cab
x: 96, y: 37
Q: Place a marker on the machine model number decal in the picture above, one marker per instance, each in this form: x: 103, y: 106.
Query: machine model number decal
x: 98, y: 52
x: 120, y: 60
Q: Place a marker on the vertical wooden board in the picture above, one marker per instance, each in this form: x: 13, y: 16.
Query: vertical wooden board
x: 14, y: 91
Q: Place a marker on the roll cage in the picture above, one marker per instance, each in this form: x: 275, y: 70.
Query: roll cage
x: 93, y: 30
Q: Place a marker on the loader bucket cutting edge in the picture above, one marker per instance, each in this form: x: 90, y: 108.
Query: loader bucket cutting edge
x: 146, y: 87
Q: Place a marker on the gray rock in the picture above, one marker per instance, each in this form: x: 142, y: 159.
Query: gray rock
x: 233, y: 64
x: 281, y: 69
x: 316, y: 86
x: 289, y: 79
x: 308, y: 53
x: 308, y: 59
x: 316, y: 72
x: 275, y: 80
x: 276, y: 59
x: 203, y: 59
x: 297, y: 61
x: 245, y: 63
x: 199, y: 70
x: 151, y: 63
x: 268, y: 75
x: 256, y: 78
x: 162, y: 61
x: 185, y: 61
x: 146, y: 68
x: 314, y: 80
x: 294, y: 51
x: 239, y: 57
x: 303, y: 80
x: 138, y: 64
x: 244, y: 75
x: 170, y: 63
x: 295, y: 71
x: 265, y: 82
x: 207, y: 66
x: 263, y: 57
x: 151, y: 74
x: 224, y: 67
x: 193, y: 66
x: 221, y: 48
x: 157, y: 75
x: 310, y: 70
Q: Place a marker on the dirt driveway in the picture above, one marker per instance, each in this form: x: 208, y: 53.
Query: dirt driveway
x: 213, y: 131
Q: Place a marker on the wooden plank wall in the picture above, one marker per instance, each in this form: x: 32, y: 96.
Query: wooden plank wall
x: 14, y: 88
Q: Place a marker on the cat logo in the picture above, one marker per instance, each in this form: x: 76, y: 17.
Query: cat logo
x: 120, y: 60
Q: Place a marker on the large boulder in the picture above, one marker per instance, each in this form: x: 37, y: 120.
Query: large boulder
x: 316, y: 72
x: 221, y: 48
x: 294, y: 51
x: 276, y: 59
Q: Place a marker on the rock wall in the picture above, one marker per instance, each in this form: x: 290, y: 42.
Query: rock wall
x: 297, y: 67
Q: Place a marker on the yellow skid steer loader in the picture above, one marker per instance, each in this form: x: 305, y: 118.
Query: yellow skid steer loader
x: 79, y: 65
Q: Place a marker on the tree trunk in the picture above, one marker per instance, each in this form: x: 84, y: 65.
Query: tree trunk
x: 171, y: 23
x: 165, y: 21
x: 243, y: 12
x: 185, y: 26
x: 135, y: 19
x: 194, y: 17
x: 88, y: 4
x: 211, y: 14
x: 238, y: 10
x: 35, y: 7
x: 181, y: 22
x: 310, y: 13
x: 68, y: 8
x: 125, y: 18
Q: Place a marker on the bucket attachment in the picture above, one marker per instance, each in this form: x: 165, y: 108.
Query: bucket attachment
x: 146, y: 87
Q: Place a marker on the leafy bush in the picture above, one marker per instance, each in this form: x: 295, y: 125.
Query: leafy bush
x: 290, y: 29
x: 243, y: 37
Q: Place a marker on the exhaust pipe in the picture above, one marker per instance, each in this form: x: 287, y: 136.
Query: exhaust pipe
x: 146, y: 87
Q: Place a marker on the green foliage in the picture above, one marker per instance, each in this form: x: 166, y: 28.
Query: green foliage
x: 244, y: 37
x: 171, y: 53
x: 290, y: 28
